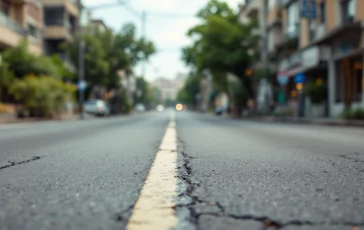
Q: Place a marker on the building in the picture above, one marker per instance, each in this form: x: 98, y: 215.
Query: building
x: 342, y: 35
x: 327, y: 49
x: 60, y: 19
x: 21, y: 20
x: 257, y: 9
x: 169, y: 87
x: 129, y: 83
x: 97, y: 25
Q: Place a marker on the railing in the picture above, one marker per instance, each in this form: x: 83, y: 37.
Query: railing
x: 11, y: 24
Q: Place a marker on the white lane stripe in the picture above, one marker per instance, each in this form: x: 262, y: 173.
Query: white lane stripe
x: 154, y: 208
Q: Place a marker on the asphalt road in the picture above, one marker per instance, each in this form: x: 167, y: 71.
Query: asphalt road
x: 232, y: 174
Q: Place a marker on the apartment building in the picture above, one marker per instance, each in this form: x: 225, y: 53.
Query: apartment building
x: 21, y: 19
x: 97, y: 25
x: 60, y: 19
x: 343, y: 36
x: 327, y: 49
x: 257, y: 9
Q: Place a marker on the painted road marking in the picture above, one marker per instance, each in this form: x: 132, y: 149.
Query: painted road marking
x: 154, y: 208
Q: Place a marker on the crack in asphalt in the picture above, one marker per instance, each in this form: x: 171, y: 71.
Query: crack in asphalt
x: 13, y: 163
x: 120, y: 216
x: 186, y: 175
x: 351, y: 158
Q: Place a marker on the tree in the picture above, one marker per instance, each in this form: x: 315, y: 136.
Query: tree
x: 222, y: 44
x: 22, y: 63
x: 144, y: 93
x: 41, y: 95
x: 107, y: 52
x: 191, y: 88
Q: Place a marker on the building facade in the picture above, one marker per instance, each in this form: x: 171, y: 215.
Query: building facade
x: 257, y: 9
x: 169, y: 87
x: 60, y: 20
x: 21, y: 20
x: 327, y: 49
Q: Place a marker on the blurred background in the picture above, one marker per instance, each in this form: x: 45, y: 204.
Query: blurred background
x: 257, y: 58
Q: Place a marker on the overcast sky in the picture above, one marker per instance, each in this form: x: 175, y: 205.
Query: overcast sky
x: 167, y: 23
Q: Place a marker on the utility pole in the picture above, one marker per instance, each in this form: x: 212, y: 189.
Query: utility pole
x: 1, y: 71
x: 81, y: 67
x: 144, y: 21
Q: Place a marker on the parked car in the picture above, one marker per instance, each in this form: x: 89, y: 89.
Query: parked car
x: 220, y: 110
x: 139, y: 108
x: 97, y: 107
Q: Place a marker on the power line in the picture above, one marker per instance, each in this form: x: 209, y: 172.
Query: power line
x: 107, y: 5
x: 133, y: 11
x: 170, y: 15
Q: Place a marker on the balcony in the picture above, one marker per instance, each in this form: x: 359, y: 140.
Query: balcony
x: 251, y: 8
x: 70, y: 5
x: 58, y: 33
x: 11, y: 32
x: 291, y: 62
x: 274, y: 16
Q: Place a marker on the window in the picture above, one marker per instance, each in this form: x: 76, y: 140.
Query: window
x: 54, y: 16
x: 32, y: 31
x: 312, y: 27
x: 292, y: 19
x: 5, y: 7
x: 322, y: 12
x: 271, y: 3
x: 347, y: 10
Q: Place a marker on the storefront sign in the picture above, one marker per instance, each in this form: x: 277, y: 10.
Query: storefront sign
x: 310, y: 57
x: 282, y: 78
x: 299, y: 78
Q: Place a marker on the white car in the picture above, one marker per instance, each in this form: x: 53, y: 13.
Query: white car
x: 139, y: 108
x: 97, y: 107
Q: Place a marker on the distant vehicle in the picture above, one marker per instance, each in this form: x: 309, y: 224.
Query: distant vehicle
x: 139, y: 108
x: 160, y: 108
x: 97, y: 107
x: 220, y: 110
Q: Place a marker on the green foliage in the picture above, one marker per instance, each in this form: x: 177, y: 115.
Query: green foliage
x: 316, y: 92
x: 21, y: 62
x: 187, y: 94
x: 41, y: 96
x: 144, y: 92
x: 120, y: 103
x: 6, y: 76
x: 107, y: 52
x: 61, y: 68
x: 260, y: 73
x: 357, y: 114
x: 221, y: 43
x: 239, y: 96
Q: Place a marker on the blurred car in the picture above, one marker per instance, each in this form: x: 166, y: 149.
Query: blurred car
x: 159, y: 108
x: 97, y: 107
x: 139, y: 108
x: 220, y: 110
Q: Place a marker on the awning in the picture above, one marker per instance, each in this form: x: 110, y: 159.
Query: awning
x: 342, y: 31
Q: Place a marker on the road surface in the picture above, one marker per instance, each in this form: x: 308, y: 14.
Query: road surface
x: 187, y: 171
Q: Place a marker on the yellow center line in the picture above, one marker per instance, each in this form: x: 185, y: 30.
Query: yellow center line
x: 154, y: 207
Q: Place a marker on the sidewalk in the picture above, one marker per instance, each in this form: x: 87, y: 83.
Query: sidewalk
x: 9, y: 119
x: 313, y: 121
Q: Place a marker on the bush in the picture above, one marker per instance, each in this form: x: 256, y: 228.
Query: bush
x: 357, y: 113
x: 22, y: 63
x: 41, y: 96
x: 317, y: 93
